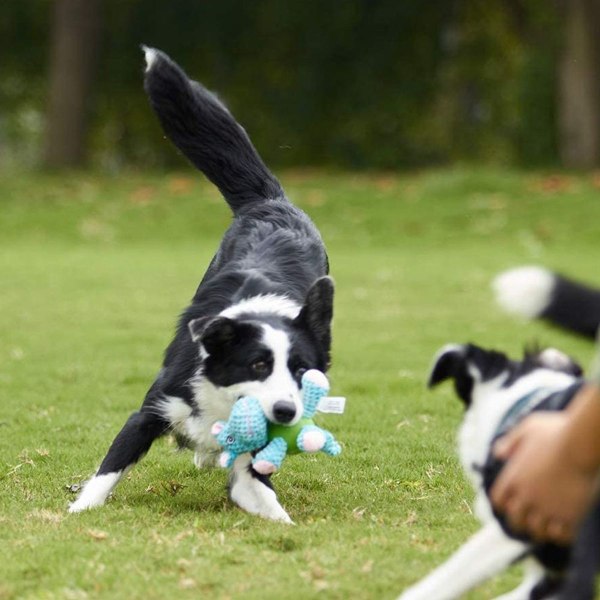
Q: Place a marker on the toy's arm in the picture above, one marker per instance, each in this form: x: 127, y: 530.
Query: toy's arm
x: 314, y: 386
x: 269, y: 459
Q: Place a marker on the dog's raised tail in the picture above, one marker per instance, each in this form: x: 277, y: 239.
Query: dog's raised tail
x: 200, y: 125
x: 534, y: 292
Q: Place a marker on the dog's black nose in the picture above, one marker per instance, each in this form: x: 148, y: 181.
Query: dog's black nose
x: 284, y: 411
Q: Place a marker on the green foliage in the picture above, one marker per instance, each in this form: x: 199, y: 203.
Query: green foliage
x: 356, y: 84
x: 94, y: 272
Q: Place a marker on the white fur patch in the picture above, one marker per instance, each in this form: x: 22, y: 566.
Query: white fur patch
x: 525, y: 291
x: 96, y: 491
x: 150, y: 54
x: 215, y: 405
x: 273, y: 304
x: 252, y: 495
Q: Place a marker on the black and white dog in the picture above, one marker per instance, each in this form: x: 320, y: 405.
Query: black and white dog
x: 534, y: 292
x: 260, y: 317
x: 497, y: 393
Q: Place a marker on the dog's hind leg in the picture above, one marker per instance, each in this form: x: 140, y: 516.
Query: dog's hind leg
x: 132, y: 442
x: 487, y: 553
x: 253, y: 492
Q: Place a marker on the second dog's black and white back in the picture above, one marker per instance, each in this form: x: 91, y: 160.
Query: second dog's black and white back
x: 497, y: 392
x: 260, y: 317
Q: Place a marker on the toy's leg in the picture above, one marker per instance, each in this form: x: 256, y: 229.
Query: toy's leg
x: 312, y: 439
x: 269, y: 459
x: 332, y: 446
x: 253, y: 492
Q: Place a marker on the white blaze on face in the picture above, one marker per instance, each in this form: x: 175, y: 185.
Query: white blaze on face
x: 280, y: 384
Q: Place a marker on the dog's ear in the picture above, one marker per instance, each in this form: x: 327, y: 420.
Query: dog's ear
x: 453, y: 362
x: 317, y: 312
x: 218, y: 334
x: 447, y: 364
x: 467, y: 364
x: 196, y: 327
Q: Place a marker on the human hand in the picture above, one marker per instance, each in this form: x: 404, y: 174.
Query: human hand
x: 547, y: 485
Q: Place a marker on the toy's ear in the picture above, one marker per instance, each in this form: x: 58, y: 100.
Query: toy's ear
x: 217, y: 427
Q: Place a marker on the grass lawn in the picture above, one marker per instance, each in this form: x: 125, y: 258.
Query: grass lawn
x: 94, y: 271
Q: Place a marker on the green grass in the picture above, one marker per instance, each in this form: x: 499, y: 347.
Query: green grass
x: 94, y: 271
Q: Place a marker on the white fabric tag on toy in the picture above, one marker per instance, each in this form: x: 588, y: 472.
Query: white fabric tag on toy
x: 332, y: 404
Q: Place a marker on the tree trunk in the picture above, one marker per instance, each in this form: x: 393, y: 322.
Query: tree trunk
x: 75, y: 36
x: 579, y: 85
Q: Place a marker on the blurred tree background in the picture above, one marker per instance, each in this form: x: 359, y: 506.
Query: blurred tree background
x: 380, y: 84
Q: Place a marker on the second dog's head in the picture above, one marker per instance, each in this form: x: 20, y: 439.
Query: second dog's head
x: 475, y: 370
x: 262, y: 347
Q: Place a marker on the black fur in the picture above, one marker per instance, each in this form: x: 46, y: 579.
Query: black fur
x: 573, y: 306
x: 206, y: 133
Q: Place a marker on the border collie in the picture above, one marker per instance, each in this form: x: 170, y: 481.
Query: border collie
x: 535, y: 292
x: 497, y: 393
x: 259, y: 319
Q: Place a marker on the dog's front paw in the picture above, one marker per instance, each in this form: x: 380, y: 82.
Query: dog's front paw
x: 82, y: 504
x: 281, y: 516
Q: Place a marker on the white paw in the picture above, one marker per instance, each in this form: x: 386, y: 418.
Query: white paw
x: 96, y: 491
x: 82, y: 504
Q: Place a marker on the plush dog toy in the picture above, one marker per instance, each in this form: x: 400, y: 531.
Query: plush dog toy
x: 248, y: 430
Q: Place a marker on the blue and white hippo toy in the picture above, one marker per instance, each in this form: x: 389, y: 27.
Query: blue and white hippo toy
x: 248, y: 430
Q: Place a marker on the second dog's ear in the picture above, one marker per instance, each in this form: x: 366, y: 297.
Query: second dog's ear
x: 455, y: 362
x: 447, y: 364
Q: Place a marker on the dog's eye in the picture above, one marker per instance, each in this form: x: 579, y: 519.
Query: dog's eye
x: 260, y: 367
